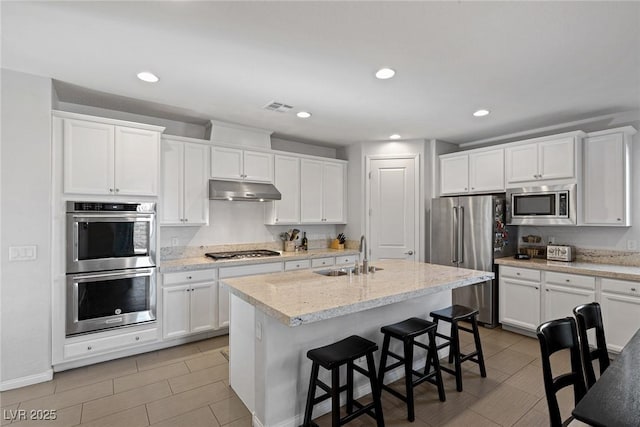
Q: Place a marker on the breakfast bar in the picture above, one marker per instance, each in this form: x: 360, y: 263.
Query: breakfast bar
x: 276, y: 318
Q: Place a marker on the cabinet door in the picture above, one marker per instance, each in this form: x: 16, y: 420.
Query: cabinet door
x: 287, y: 181
x: 88, y: 157
x: 520, y: 303
x: 172, y: 183
x: 556, y: 158
x: 196, y: 197
x: 604, y: 200
x: 223, y: 307
x: 486, y: 171
x: 311, y: 190
x: 559, y: 301
x: 175, y: 311
x: 203, y: 307
x: 226, y: 163
x: 454, y: 174
x: 333, y: 187
x: 258, y: 166
x: 620, y: 316
x: 521, y: 163
x: 137, y: 155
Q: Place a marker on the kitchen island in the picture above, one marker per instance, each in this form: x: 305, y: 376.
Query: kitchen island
x: 276, y: 318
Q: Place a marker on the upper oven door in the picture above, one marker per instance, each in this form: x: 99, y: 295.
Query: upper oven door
x: 108, y: 241
x: 546, y: 205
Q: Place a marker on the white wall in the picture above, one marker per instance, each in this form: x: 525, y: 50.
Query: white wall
x: 237, y: 222
x: 302, y: 148
x: 25, y: 177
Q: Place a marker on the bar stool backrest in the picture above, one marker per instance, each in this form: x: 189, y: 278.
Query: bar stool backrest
x: 554, y: 336
x: 589, y: 316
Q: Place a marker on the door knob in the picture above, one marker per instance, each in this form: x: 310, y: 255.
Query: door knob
x: 409, y: 253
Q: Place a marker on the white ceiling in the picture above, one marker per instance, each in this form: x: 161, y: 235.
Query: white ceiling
x: 533, y: 64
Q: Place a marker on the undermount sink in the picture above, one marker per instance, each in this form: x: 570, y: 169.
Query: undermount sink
x: 331, y: 272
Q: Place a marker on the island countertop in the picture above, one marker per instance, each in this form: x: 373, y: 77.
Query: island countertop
x: 303, y: 296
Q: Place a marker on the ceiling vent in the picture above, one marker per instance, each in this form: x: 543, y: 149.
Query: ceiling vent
x: 278, y: 107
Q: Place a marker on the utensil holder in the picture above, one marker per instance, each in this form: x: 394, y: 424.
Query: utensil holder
x: 335, y: 244
x: 289, y: 246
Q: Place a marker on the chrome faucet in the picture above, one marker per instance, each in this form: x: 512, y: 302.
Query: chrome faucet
x: 365, y: 260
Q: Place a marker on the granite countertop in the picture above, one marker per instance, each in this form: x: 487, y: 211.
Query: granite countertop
x: 302, y: 296
x: 622, y: 272
x: 203, y: 262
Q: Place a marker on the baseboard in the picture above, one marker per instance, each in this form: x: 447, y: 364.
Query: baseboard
x: 255, y: 421
x: 28, y: 380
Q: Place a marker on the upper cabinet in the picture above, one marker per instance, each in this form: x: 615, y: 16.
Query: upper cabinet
x: 184, y: 198
x: 542, y: 161
x: 287, y: 181
x: 323, y: 191
x: 474, y: 171
x: 105, y: 158
x: 241, y: 165
x: 606, y: 189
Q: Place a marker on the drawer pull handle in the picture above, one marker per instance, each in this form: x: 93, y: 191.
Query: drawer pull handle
x: 567, y: 280
x: 517, y: 274
x: 633, y: 289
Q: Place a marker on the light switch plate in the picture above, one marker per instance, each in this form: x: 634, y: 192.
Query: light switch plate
x: 23, y: 253
x: 632, y: 245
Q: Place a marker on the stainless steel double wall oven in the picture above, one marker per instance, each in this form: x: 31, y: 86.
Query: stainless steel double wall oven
x: 110, y: 258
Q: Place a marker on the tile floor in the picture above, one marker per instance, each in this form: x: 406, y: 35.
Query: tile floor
x: 188, y: 386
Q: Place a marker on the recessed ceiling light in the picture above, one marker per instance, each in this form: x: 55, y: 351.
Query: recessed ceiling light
x: 395, y: 136
x: 481, y: 113
x: 385, y: 73
x: 148, y: 77
x: 303, y: 115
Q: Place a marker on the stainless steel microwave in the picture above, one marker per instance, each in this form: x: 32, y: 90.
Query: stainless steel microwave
x: 544, y: 205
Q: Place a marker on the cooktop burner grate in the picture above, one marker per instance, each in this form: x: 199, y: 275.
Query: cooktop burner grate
x: 257, y: 253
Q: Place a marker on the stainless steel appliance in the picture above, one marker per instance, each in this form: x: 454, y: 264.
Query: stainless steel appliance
x: 110, y: 258
x: 545, y: 205
x: 561, y: 253
x: 108, y: 299
x: 242, y: 191
x: 469, y: 232
x: 110, y: 236
x: 255, y: 253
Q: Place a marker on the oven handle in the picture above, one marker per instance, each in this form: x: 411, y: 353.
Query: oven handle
x: 113, y: 218
x: 139, y: 272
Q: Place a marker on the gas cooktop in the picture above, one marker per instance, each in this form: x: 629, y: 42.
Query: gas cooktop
x: 256, y: 253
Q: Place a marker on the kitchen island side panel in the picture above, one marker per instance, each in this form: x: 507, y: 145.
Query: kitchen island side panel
x: 281, y: 368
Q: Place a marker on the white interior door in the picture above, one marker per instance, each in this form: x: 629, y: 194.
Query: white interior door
x: 393, y: 229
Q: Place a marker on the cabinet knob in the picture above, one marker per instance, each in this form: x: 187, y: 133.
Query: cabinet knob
x: 473, y: 188
x: 618, y: 219
x: 117, y: 190
x: 568, y: 281
x: 89, y: 348
x: 189, y: 277
x: 186, y: 220
x: 137, y: 338
x: 188, y: 290
x: 276, y: 219
x: 633, y: 289
x: 537, y: 287
x: 517, y: 274
x: 465, y: 188
x: 545, y: 289
x: 111, y: 190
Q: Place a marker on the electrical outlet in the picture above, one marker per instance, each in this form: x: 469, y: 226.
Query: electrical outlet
x: 23, y: 253
x: 632, y: 245
x: 174, y: 241
x: 552, y: 240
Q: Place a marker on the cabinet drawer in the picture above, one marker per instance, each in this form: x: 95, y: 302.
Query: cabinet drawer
x: 249, y: 270
x: 624, y: 287
x: 347, y: 259
x: 101, y: 345
x: 322, y: 262
x: 297, y: 265
x: 573, y: 280
x: 520, y: 273
x: 189, y: 277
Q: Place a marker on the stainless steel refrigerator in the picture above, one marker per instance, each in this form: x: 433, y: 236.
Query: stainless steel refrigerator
x: 470, y: 232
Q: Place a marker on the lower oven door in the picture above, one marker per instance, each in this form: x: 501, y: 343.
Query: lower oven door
x: 110, y: 299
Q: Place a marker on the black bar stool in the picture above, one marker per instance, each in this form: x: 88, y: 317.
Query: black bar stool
x: 407, y: 331
x: 589, y: 316
x: 332, y: 357
x: 453, y: 315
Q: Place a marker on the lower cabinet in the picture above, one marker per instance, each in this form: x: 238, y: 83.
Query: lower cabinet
x: 519, y: 295
x: 620, y: 305
x: 563, y: 292
x: 188, y: 307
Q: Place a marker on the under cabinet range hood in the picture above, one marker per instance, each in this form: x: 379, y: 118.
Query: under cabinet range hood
x: 244, y: 191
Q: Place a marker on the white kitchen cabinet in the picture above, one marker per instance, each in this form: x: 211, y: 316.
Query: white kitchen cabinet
x: 94, y: 346
x: 108, y: 159
x: 241, y: 165
x: 189, y: 303
x: 323, y: 190
x: 475, y: 171
x: 287, y: 181
x: 606, y: 189
x: 454, y: 174
x: 620, y: 305
x: 519, y: 296
x: 543, y: 160
x: 563, y: 292
x: 184, y: 184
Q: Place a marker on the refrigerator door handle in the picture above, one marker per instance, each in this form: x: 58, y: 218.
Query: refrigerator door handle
x: 461, y: 236
x: 454, y: 236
